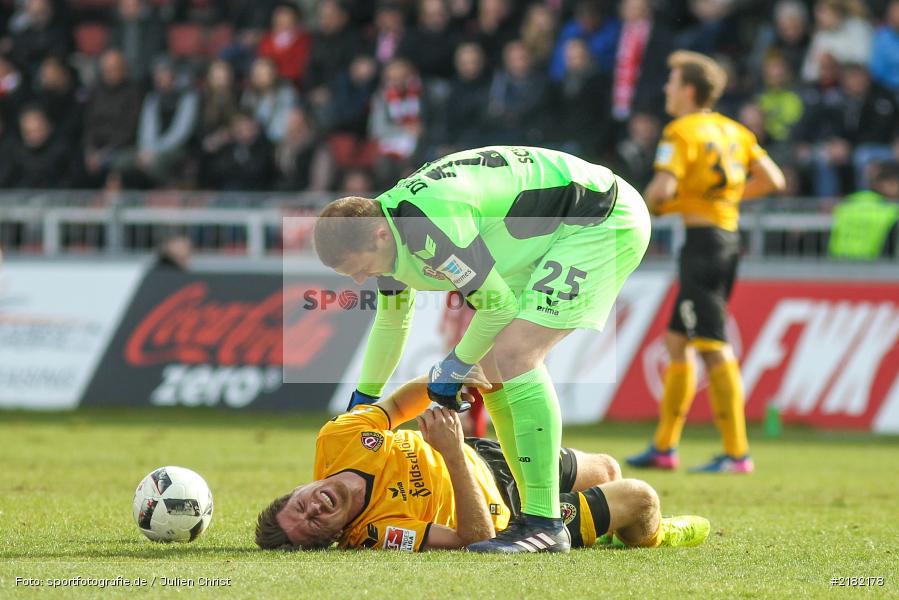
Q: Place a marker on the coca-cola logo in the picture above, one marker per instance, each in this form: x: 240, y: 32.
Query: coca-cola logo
x: 190, y: 327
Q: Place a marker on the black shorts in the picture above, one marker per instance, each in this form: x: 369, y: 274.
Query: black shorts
x: 491, y: 453
x: 707, y: 269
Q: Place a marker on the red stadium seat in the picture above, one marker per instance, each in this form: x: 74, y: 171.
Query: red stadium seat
x: 352, y: 153
x: 91, y: 38
x: 185, y: 40
x: 218, y: 38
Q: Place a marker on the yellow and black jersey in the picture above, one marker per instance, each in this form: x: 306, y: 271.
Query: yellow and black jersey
x: 710, y: 156
x: 408, y: 486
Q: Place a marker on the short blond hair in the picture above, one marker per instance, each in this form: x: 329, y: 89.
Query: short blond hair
x: 345, y: 226
x: 702, y: 72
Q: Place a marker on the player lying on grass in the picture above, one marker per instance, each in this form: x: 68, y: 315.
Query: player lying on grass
x: 377, y: 487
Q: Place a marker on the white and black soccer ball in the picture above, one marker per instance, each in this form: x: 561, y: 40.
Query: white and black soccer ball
x: 172, y: 504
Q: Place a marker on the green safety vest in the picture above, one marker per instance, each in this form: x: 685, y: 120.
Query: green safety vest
x: 860, y: 226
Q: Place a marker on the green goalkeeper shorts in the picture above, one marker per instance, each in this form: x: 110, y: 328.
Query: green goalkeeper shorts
x: 575, y: 284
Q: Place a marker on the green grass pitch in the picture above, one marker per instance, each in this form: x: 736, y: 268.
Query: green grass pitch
x: 820, y: 505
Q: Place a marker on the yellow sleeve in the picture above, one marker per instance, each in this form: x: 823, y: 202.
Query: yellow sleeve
x: 672, y: 154
x: 753, y: 150
x: 356, y: 440
x: 392, y: 533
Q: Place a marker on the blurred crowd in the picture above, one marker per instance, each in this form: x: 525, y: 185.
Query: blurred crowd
x: 350, y: 94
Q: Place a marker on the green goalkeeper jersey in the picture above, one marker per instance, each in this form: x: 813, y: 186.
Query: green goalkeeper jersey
x: 478, y: 221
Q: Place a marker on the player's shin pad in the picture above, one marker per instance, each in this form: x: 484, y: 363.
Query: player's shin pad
x: 538, y: 438
x: 586, y: 515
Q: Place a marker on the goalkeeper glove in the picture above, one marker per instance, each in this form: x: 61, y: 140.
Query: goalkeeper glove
x: 445, y: 383
x: 359, y: 398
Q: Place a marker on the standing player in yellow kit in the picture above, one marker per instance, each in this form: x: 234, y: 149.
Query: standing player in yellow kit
x: 706, y: 164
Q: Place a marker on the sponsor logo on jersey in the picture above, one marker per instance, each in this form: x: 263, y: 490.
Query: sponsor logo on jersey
x: 372, y: 440
x: 664, y: 153
x: 399, y: 490
x: 397, y: 538
x: 494, y: 509
x: 569, y: 512
x: 457, y: 271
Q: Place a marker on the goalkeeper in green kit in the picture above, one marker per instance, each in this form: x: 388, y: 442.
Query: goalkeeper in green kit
x: 539, y: 242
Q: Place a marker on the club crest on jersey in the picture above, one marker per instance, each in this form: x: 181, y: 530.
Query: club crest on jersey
x: 569, y: 512
x: 372, y: 440
x: 430, y: 272
x: 397, y: 538
x: 457, y: 271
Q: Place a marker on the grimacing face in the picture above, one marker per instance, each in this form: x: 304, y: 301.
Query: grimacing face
x: 316, y: 512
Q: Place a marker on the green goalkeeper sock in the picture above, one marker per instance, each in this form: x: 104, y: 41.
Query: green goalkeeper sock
x: 497, y: 404
x: 537, y: 421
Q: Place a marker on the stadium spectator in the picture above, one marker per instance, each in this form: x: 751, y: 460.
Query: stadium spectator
x: 780, y: 104
x: 37, y: 159
x: 350, y: 96
x: 301, y: 161
x: 854, y: 114
x: 245, y: 162
x: 390, y: 30
x: 43, y: 35
x: 111, y: 117
x: 219, y: 104
x: 174, y: 254
x: 287, y: 44
x: 469, y: 93
x: 538, y: 32
x: 885, y: 52
x: 396, y: 119
x: 865, y: 222
x: 639, y: 72
x: 840, y: 32
x: 634, y: 155
x: 713, y: 31
x: 432, y: 43
x: 268, y: 98
x: 140, y: 34
x: 356, y: 182
x: 517, y: 101
x: 334, y: 45
x: 250, y: 19
x: 870, y: 120
x: 581, y: 103
x: 167, y: 121
x: 788, y: 36
x: 601, y: 35
x: 493, y: 27
x: 55, y: 91
x: 12, y: 92
x: 752, y: 117
x: 250, y: 15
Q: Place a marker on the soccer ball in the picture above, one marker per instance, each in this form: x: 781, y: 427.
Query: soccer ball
x: 172, y: 504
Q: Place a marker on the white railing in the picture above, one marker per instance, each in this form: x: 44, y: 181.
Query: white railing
x: 54, y: 223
